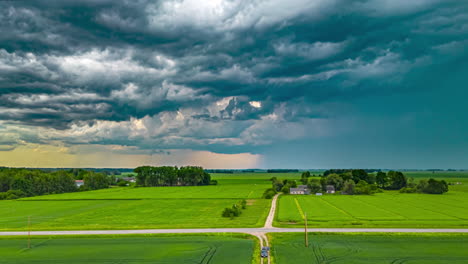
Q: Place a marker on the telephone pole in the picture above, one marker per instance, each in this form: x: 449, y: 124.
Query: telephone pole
x: 29, y: 232
x: 305, y: 230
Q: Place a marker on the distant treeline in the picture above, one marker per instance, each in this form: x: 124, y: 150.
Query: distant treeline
x: 341, y: 171
x: 282, y: 170
x: 221, y: 171
x: 228, y: 171
x: 16, y: 183
x: 172, y: 176
x: 360, y: 181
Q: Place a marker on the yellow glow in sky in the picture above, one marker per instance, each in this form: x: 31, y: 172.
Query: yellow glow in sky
x: 113, y: 156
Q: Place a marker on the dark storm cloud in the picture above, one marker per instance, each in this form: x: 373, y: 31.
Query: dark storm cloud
x: 75, y: 63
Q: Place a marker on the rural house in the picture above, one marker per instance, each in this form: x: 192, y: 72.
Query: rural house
x: 301, y: 189
x: 129, y: 179
x: 79, y: 183
x: 330, y: 189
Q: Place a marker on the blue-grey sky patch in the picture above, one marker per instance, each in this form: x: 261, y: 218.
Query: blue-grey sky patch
x: 382, y: 81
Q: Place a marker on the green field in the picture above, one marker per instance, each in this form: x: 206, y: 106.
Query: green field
x: 201, y: 207
x: 142, y: 208
x: 128, y: 214
x: 369, y: 248
x: 129, y: 250
x: 388, y: 209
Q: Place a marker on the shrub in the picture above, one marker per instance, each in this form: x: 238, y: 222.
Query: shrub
x: 243, y: 204
x: 362, y: 187
x: 408, y: 190
x: 285, y: 189
x: 12, y: 194
x: 122, y: 183
x: 232, y: 212
x: 269, y: 193
x: 213, y: 182
x: 433, y: 186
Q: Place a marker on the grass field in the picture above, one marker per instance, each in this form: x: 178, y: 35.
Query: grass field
x: 128, y: 214
x: 201, y: 207
x: 128, y: 250
x: 140, y: 208
x: 369, y: 248
x: 388, y: 209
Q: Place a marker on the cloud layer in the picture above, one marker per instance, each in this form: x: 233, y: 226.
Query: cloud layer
x: 220, y: 76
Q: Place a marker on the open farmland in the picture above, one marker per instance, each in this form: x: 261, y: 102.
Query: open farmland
x: 369, y: 248
x: 140, y: 208
x: 128, y: 214
x: 233, y: 186
x: 388, y: 209
x: 148, y: 249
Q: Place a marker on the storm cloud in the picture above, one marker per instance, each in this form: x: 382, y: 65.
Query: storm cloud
x: 221, y: 76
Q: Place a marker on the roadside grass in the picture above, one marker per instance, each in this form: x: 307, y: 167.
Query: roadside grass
x: 193, y: 248
x: 388, y: 209
x: 369, y: 248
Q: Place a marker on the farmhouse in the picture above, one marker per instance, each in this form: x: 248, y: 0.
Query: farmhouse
x: 79, y: 183
x: 330, y: 189
x: 129, y: 179
x: 301, y: 189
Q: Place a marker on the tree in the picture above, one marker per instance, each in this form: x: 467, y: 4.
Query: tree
x: 285, y: 189
x: 396, y: 180
x: 432, y: 186
x: 305, y: 177
x: 314, y: 186
x: 31, y: 182
x: 333, y: 179
x: 362, y: 187
x: 348, y: 187
x: 269, y: 193
x: 277, y: 185
x: 95, y: 181
x: 171, y: 176
x: 359, y: 175
x: 381, y: 179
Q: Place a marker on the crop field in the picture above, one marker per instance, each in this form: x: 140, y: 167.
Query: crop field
x: 140, y: 208
x: 388, y: 209
x: 127, y: 214
x: 129, y: 250
x: 369, y: 248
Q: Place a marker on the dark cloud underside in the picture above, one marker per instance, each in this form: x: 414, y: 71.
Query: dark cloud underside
x: 225, y: 76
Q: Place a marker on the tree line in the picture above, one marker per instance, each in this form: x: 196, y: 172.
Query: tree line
x: 16, y: 183
x: 149, y: 176
x: 359, y: 181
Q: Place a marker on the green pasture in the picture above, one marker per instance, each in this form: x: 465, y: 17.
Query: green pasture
x: 369, y: 248
x: 150, y: 249
x: 201, y: 207
x: 388, y: 209
x: 128, y: 214
x: 144, y: 207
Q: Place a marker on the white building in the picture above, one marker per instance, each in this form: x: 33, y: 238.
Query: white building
x: 79, y: 183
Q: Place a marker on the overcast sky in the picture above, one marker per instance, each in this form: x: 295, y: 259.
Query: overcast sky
x: 234, y: 84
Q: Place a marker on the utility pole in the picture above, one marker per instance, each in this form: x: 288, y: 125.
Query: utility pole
x: 305, y: 229
x: 29, y: 232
